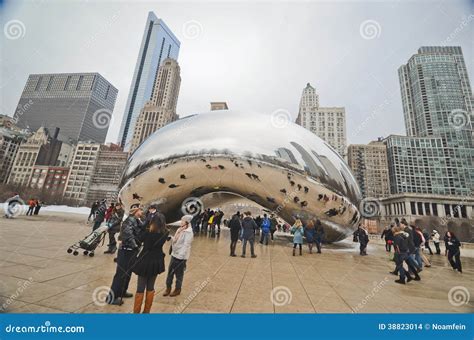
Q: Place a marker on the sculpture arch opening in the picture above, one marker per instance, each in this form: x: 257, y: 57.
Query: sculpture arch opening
x: 288, y: 170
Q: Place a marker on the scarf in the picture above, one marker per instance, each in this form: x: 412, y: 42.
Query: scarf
x: 179, y: 232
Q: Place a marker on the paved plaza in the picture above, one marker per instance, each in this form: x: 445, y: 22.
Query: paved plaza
x: 38, y: 276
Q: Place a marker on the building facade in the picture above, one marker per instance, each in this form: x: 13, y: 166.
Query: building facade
x: 108, y: 171
x: 50, y: 178
x: 80, y: 104
x: 328, y: 123
x: 370, y: 168
x: 10, y: 141
x: 161, y: 108
x: 39, y: 149
x: 81, y: 172
x: 217, y: 106
x: 158, y: 43
x: 430, y: 212
x: 437, y: 155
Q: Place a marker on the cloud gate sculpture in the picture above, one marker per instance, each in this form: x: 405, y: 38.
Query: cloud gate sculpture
x: 265, y: 158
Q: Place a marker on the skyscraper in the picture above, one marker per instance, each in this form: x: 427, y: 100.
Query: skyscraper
x: 161, y: 108
x: 328, y: 123
x: 437, y: 156
x: 158, y: 43
x: 80, y: 104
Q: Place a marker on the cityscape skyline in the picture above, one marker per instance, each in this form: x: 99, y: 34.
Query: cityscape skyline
x: 388, y: 117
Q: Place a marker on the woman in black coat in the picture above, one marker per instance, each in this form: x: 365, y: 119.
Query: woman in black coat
x: 453, y: 251
x: 235, y: 226
x: 150, y: 262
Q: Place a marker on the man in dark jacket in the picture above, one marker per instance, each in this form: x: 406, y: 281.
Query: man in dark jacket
x: 318, y: 235
x: 388, y: 235
x: 218, y: 220
x: 363, y: 237
x: 248, y: 233
x: 235, y: 226
x: 130, y: 234
x: 100, y: 215
x: 94, y: 207
x: 114, y: 223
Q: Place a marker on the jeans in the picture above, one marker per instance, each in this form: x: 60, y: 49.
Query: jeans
x: 30, y: 211
x: 244, y: 246
x: 362, y: 248
x: 112, y: 241
x: 175, y: 268
x: 438, y: 249
x: 399, y: 259
x: 96, y: 225
x: 265, y: 238
x: 146, y: 282
x: 418, y: 257
x: 427, y: 246
x: 125, y: 261
x: 318, y: 242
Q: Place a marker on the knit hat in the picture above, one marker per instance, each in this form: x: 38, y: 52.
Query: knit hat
x: 187, y: 218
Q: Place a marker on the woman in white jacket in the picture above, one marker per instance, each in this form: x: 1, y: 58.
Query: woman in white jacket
x: 181, y: 249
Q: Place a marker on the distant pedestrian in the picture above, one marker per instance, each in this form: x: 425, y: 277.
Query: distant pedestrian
x: 363, y: 237
x: 114, y: 224
x: 235, y: 226
x: 248, y: 233
x: 318, y: 235
x: 453, y: 250
x: 31, y: 207
x: 310, y: 233
x: 94, y: 207
x: 99, y: 215
x: 297, y: 231
x: 38, y: 205
x: 387, y: 234
x: 273, y: 225
x: 435, y: 237
x: 266, y: 228
x: 426, y: 235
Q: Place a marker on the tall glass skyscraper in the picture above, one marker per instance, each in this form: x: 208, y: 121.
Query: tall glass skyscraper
x: 158, y: 43
x: 437, y: 156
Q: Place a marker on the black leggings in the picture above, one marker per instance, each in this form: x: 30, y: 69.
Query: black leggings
x: 148, y: 282
x: 294, y: 245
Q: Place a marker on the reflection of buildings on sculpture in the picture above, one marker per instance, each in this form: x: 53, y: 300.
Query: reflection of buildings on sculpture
x: 216, y: 106
x: 10, y: 139
x: 431, y: 212
x: 161, y: 108
x: 328, y: 123
x: 368, y: 163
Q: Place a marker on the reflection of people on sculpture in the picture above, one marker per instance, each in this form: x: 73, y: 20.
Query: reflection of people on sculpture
x: 180, y: 251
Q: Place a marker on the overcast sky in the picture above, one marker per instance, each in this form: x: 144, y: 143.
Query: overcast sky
x: 254, y: 55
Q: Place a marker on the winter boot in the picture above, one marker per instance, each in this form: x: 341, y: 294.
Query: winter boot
x: 148, y: 301
x: 176, y: 292
x: 137, y: 305
x: 294, y: 251
x: 167, y: 291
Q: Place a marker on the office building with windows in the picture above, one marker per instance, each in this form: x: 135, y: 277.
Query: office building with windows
x: 80, y: 104
x: 158, y: 43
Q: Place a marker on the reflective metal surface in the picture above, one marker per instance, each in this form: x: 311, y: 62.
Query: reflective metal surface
x: 277, y: 164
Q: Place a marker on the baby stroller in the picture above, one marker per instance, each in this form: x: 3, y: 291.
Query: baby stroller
x: 90, y: 242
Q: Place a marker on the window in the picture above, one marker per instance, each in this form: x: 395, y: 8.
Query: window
x: 420, y: 208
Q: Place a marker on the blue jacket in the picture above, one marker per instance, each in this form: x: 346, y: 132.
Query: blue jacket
x: 309, y: 233
x: 297, y: 234
x: 266, y: 225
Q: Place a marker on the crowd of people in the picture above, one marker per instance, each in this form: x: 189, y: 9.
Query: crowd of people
x: 409, y: 243
x: 34, y: 206
x: 15, y: 206
x: 142, y: 237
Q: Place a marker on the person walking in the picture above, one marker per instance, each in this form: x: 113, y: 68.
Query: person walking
x: 273, y: 225
x: 400, y: 245
x: 180, y: 251
x: 435, y: 237
x: 426, y: 235
x: 266, y: 227
x: 38, y: 205
x: 94, y: 208
x: 100, y: 215
x: 423, y: 258
x: 387, y: 234
x: 318, y: 235
x: 297, y: 231
x: 218, y: 220
x: 235, y: 226
x: 130, y: 234
x: 248, y: 233
x: 418, y: 241
x: 150, y: 263
x: 31, y: 207
x: 310, y: 232
x: 363, y: 237
x: 453, y: 251
x: 108, y: 212
x: 113, y: 224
